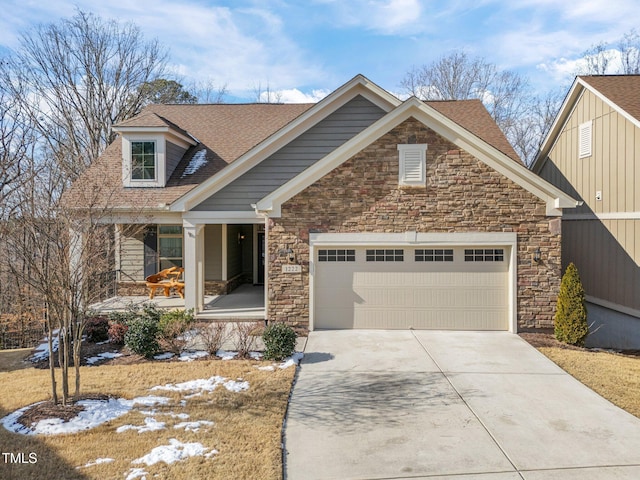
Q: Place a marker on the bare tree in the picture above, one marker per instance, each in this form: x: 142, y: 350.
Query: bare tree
x: 77, y: 78
x: 266, y: 95
x: 604, y: 58
x: 208, y: 92
x: 457, y: 76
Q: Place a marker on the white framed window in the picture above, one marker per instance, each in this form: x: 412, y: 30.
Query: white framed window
x: 169, y: 246
x: 143, y: 160
x: 413, y: 164
x: 584, y: 139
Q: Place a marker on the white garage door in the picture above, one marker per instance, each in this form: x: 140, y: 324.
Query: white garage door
x: 460, y: 288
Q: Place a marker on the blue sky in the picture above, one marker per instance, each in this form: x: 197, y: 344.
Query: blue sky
x: 307, y: 48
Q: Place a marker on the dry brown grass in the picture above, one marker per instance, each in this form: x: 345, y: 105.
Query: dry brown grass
x: 247, y: 430
x: 615, y: 377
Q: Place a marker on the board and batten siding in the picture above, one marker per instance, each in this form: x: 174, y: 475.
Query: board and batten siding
x: 293, y: 158
x: 611, y: 168
x: 605, y: 250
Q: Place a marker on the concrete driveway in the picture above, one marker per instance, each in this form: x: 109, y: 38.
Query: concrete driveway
x: 459, y: 405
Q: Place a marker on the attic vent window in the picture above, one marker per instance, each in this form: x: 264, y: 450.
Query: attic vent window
x: 413, y: 164
x: 584, y: 133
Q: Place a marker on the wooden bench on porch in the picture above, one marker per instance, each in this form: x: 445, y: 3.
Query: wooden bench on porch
x: 166, y: 280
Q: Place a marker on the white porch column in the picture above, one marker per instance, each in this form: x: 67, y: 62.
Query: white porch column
x: 193, y: 266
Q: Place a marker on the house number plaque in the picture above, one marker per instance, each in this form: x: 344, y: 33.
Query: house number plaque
x: 291, y: 268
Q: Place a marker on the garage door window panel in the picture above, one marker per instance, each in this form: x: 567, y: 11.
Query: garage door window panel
x: 484, y: 255
x: 336, y: 255
x: 433, y: 255
x: 385, y: 255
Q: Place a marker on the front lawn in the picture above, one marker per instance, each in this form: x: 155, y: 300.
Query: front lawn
x: 196, y: 432
x: 614, y: 376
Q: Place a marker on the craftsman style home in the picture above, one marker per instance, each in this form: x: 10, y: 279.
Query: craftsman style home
x: 592, y: 152
x: 360, y: 211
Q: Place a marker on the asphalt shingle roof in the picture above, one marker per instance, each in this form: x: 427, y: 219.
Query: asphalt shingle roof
x: 225, y: 132
x: 623, y: 90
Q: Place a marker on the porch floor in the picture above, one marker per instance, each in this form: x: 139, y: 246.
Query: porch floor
x: 245, y: 302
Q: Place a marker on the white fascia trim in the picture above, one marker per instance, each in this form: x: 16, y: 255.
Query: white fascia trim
x: 555, y: 198
x: 248, y: 216
x: 413, y: 238
x: 603, y: 216
x: 187, y: 140
x: 359, y: 85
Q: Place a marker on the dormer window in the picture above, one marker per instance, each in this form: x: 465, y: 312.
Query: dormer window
x: 143, y: 161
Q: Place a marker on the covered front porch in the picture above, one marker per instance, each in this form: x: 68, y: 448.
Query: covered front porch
x: 244, y: 303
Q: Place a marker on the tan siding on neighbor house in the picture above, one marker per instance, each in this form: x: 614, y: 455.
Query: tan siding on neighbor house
x: 610, y: 169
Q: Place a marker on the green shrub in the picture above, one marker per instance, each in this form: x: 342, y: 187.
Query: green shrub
x: 279, y: 341
x: 571, y: 314
x: 96, y: 329
x: 172, y: 328
x: 142, y: 335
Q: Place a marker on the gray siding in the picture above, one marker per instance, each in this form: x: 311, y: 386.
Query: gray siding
x: 174, y: 154
x: 607, y: 254
x: 213, y: 252
x: 131, y: 253
x: 289, y: 161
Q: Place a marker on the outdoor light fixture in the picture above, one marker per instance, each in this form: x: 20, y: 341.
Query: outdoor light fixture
x: 240, y: 238
x: 537, y: 255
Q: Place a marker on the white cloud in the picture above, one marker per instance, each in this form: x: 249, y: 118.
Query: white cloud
x: 293, y: 95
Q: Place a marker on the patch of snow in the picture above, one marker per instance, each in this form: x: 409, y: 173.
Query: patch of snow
x: 163, y: 356
x: 150, y: 425
x: 149, y: 401
x: 181, y: 416
x: 103, y: 356
x: 41, y: 352
x: 237, y: 387
x: 196, y: 162
x: 268, y: 368
x: 193, y: 426
x: 292, y: 360
x: 137, y: 473
x: 174, y: 452
x: 197, y: 387
x: 224, y: 355
x: 98, y: 461
x: 255, y: 355
x: 191, y: 356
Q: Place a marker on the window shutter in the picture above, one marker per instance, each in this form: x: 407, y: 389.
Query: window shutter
x: 412, y: 164
x: 584, y: 133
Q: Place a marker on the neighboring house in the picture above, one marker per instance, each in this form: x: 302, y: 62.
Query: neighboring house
x: 360, y: 211
x: 592, y: 153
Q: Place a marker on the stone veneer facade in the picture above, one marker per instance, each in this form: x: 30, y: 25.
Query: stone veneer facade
x: 462, y: 194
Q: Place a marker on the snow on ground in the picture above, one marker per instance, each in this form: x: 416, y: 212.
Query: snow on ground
x: 163, y: 356
x: 286, y: 363
x: 175, y: 451
x: 41, y: 352
x: 196, y: 387
x: 193, y: 426
x: 137, y: 473
x: 96, y: 412
x: 98, y: 461
x: 150, y: 425
x: 103, y: 356
x: 191, y: 356
x: 224, y: 355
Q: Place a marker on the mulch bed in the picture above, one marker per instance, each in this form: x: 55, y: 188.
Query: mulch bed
x: 542, y: 340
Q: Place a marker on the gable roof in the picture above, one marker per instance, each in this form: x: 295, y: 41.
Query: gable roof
x: 620, y: 92
x: 445, y: 126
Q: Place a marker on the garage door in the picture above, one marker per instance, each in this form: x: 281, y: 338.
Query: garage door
x: 461, y: 288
